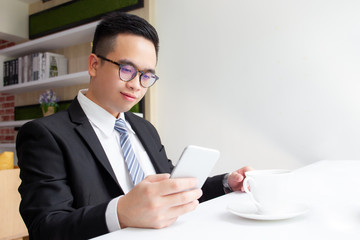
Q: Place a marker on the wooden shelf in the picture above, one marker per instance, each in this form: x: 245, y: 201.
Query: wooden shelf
x: 60, y: 81
x: 66, y: 38
x: 7, y: 145
x: 14, y: 123
x: 63, y: 39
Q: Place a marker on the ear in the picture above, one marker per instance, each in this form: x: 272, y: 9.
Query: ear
x: 93, y: 64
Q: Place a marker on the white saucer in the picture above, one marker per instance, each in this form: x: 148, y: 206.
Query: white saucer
x: 250, y: 212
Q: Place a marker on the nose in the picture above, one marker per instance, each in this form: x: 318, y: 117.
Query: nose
x: 135, y: 82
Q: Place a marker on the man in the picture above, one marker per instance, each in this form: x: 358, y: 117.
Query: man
x: 75, y: 178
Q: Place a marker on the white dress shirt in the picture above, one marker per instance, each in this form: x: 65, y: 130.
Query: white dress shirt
x: 103, y: 124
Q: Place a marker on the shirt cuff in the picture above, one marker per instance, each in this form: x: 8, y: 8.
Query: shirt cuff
x: 225, y: 182
x: 111, y: 216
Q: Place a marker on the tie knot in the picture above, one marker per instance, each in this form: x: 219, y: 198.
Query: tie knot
x: 120, y: 126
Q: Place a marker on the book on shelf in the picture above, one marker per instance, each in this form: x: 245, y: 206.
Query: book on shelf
x: 53, y: 65
x: 6, y: 73
x: 10, y: 72
x: 33, y: 67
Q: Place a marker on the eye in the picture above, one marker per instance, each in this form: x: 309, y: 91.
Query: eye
x: 128, y: 69
x: 147, y: 76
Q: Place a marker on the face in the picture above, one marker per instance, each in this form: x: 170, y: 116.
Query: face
x: 106, y: 89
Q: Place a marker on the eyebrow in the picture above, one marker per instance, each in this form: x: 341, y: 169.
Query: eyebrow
x: 133, y: 64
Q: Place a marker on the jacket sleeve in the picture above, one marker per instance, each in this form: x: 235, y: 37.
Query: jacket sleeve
x: 47, y: 204
x: 212, y: 188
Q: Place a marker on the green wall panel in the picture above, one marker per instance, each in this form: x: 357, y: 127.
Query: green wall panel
x: 75, y: 13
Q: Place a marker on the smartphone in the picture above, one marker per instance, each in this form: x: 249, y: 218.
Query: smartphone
x: 196, y: 162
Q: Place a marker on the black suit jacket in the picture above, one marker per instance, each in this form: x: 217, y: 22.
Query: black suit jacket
x: 67, y: 180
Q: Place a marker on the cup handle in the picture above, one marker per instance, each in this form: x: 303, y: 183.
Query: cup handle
x: 246, y: 189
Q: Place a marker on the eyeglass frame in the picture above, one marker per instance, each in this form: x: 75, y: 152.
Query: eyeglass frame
x: 120, y: 65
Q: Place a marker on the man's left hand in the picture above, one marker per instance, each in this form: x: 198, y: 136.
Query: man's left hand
x: 236, y: 179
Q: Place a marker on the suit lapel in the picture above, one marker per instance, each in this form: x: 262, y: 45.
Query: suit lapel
x: 85, y: 130
x: 88, y: 135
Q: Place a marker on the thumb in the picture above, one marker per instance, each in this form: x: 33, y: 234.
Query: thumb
x: 157, y: 177
x: 239, y: 177
x: 235, y: 177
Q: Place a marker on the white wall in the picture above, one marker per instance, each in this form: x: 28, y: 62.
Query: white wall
x: 14, y: 20
x: 268, y: 83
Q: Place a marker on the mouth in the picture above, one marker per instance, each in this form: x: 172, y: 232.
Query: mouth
x: 129, y: 96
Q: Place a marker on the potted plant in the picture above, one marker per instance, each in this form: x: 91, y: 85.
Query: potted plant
x: 48, y: 102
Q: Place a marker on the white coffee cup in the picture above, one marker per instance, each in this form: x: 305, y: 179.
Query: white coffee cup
x: 268, y: 190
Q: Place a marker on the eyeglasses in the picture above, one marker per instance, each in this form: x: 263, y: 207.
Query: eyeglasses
x: 128, y: 72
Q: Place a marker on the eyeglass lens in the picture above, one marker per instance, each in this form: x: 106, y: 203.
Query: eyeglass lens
x: 128, y: 72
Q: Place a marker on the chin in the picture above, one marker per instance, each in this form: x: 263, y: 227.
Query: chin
x: 124, y: 109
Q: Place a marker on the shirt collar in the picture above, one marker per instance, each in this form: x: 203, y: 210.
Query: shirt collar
x: 101, y: 118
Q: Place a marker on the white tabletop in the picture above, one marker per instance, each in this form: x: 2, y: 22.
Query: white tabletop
x: 329, y: 189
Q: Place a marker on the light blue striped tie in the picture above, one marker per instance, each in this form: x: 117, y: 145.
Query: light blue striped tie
x: 135, y: 171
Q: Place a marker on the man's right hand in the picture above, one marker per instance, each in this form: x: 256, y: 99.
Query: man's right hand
x: 157, y: 201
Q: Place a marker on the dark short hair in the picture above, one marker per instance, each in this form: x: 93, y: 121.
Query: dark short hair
x: 119, y: 22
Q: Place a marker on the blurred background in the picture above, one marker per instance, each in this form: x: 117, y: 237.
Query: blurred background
x: 271, y: 84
